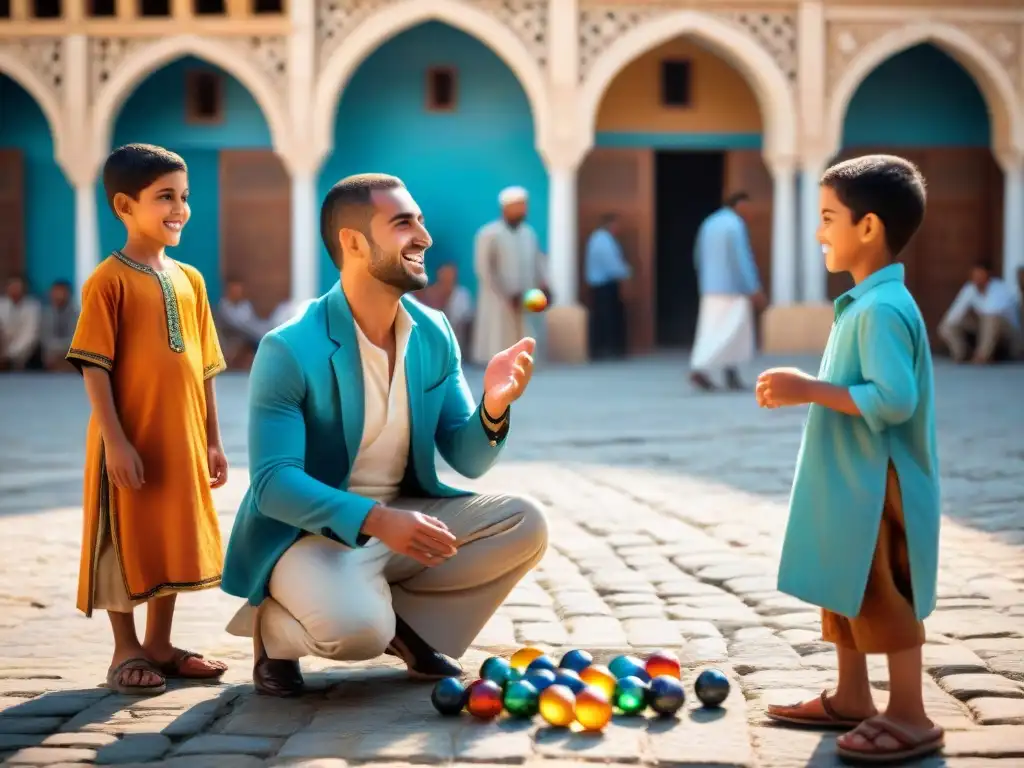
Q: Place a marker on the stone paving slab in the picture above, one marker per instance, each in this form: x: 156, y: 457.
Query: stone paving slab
x: 667, y: 511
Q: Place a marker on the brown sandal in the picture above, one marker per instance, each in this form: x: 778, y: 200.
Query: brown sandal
x: 175, y: 668
x: 909, y: 745
x: 140, y: 664
x: 831, y: 720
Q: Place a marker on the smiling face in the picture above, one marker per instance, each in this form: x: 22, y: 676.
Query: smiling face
x: 399, y: 240
x: 161, y: 211
x: 840, y: 238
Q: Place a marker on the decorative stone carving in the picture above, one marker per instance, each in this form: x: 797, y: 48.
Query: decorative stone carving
x: 847, y: 39
x: 106, y: 54
x: 528, y: 19
x: 43, y: 55
x: 270, y: 54
x: 776, y: 32
x: 335, y: 19
x: 601, y: 25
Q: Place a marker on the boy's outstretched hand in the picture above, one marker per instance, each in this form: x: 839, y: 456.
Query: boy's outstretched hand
x: 778, y: 387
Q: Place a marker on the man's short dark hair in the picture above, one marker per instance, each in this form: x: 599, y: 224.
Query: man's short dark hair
x: 890, y: 187
x: 133, y: 167
x: 62, y: 283
x: 735, y: 199
x: 348, y: 205
x: 983, y: 264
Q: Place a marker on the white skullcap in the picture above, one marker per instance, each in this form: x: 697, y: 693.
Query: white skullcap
x: 511, y: 195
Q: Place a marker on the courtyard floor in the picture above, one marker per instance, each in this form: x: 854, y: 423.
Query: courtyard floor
x: 667, y: 510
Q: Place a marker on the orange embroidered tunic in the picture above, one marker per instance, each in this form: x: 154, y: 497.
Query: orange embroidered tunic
x: 154, y: 332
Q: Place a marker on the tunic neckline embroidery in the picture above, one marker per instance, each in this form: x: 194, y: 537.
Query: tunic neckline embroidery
x: 175, y: 339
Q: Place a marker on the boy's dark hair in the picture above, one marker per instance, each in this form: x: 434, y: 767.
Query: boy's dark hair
x: 890, y: 187
x: 735, y: 199
x: 348, y: 206
x: 133, y: 167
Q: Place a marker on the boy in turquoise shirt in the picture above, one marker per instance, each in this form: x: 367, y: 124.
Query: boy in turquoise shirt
x: 863, y: 534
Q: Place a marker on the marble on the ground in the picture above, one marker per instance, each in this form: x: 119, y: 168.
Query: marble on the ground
x: 667, y: 510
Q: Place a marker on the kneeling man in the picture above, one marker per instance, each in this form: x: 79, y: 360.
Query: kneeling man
x: 346, y: 544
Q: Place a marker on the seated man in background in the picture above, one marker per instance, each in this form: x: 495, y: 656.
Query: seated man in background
x: 448, y: 296
x: 239, y: 326
x: 19, y: 327
x: 986, y: 308
x: 57, y: 327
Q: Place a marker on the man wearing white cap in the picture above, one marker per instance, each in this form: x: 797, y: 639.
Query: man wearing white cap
x: 508, y: 263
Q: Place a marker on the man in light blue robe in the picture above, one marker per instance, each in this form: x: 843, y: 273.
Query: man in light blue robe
x: 730, y: 291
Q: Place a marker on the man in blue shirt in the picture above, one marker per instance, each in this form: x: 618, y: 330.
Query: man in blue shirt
x: 606, y: 269
x: 730, y: 291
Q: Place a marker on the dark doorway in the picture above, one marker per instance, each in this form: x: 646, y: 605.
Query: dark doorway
x: 688, y: 187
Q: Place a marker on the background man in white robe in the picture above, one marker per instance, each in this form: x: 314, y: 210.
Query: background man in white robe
x: 730, y: 291
x: 508, y: 263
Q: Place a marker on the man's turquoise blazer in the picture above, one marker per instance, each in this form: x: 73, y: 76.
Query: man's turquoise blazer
x: 306, y: 423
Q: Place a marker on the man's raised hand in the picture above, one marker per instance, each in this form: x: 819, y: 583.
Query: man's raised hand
x: 423, y: 538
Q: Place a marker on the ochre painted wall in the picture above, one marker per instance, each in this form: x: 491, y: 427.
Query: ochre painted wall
x: 721, y: 100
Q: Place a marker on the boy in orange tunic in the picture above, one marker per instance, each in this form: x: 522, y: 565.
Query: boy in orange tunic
x: 148, y: 352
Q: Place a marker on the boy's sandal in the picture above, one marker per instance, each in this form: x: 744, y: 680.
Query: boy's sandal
x: 182, y: 667
x: 829, y: 719
x: 908, y: 746
x: 122, y: 671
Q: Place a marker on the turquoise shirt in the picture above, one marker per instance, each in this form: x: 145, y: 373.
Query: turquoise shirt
x: 878, y: 348
x: 306, y: 424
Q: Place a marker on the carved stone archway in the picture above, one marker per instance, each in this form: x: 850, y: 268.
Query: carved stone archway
x: 17, y: 66
x: 772, y: 88
x: 393, y: 18
x: 991, y: 76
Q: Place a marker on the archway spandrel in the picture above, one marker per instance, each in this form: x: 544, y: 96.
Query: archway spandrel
x: 846, y: 40
x: 270, y: 55
x: 44, y: 57
x: 601, y: 25
x: 527, y: 19
x: 106, y: 54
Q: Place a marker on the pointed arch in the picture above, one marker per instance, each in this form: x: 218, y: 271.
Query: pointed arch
x: 393, y: 19
x: 992, y: 79
x: 44, y: 96
x: 139, y: 65
x: 770, y: 85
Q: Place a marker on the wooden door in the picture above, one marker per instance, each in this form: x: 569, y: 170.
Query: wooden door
x: 255, y: 225
x: 621, y: 181
x: 745, y: 171
x: 12, y: 213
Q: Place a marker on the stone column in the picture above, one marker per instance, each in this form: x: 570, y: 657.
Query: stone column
x: 78, y: 158
x: 299, y: 155
x: 305, y: 239
x: 813, y: 275
x: 785, y: 253
x: 562, y: 254
x: 1013, y: 216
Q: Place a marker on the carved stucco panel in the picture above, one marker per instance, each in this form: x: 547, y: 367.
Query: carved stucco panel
x: 106, y: 54
x: 270, y: 55
x: 335, y: 19
x: 43, y: 55
x: 847, y: 39
x: 600, y: 26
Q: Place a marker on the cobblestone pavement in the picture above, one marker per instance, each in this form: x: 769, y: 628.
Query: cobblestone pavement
x: 667, y: 510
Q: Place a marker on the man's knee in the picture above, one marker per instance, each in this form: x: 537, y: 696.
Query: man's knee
x: 532, y: 525
x: 353, y: 632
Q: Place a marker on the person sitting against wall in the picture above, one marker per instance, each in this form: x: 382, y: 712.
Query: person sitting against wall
x: 57, y: 327
x: 239, y: 327
x: 451, y: 298
x: 19, y: 327
x: 986, y: 309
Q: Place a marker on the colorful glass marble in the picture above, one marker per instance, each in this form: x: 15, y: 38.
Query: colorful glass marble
x: 593, y: 709
x: 626, y: 666
x: 577, y: 660
x: 485, y: 700
x: 449, y: 696
x: 521, y: 699
x: 600, y: 677
x: 558, y: 706
x: 521, y: 659
x: 570, y: 680
x: 663, y: 663
x: 712, y: 687
x: 666, y: 695
x: 495, y: 669
x: 631, y: 695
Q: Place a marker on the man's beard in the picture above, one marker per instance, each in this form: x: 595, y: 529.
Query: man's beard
x: 390, y: 270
